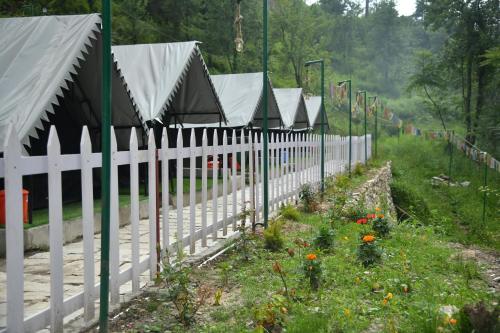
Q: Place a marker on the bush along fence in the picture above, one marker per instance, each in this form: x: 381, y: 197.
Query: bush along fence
x: 294, y: 159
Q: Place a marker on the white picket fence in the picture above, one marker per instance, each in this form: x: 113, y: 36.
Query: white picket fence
x: 294, y: 159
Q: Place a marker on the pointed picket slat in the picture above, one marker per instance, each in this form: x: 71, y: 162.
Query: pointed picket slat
x: 88, y: 226
x: 251, y: 175
x: 278, y: 169
x: 204, y: 185
x: 257, y: 177
x: 272, y: 196
x: 282, y: 167
x: 152, y: 203
x: 114, y: 225
x: 243, y: 163
x: 234, y: 177
x: 55, y: 232
x: 215, y: 187
x: 14, y: 231
x: 134, y: 209
x: 224, y: 182
x: 165, y: 191
x: 192, y: 192
x: 179, y: 191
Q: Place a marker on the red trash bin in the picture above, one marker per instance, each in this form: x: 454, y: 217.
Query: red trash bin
x: 2, y: 206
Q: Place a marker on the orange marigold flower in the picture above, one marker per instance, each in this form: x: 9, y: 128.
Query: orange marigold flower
x: 380, y: 216
x: 368, y: 238
x: 378, y: 209
x: 311, y: 256
x: 453, y: 321
x: 389, y: 296
x: 384, y: 301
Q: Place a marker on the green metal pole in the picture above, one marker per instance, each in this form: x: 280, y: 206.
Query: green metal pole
x: 366, y: 153
x: 484, y: 188
x: 450, y: 147
x: 323, y: 118
x: 106, y: 163
x: 265, y: 124
x: 322, y: 126
x: 376, y: 128
x: 350, y: 127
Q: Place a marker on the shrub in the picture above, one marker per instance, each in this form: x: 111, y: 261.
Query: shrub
x: 381, y: 226
x: 325, y: 238
x: 273, y: 238
x: 307, y: 197
x: 410, y: 201
x: 289, y: 212
x: 368, y: 252
x: 359, y: 169
x: 342, y: 181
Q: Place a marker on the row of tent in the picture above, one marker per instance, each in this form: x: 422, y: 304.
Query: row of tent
x: 50, y: 74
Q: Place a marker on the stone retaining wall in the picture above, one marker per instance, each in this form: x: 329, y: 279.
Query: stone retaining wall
x: 376, y: 192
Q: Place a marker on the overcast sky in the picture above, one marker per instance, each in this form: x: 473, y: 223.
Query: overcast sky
x: 404, y: 7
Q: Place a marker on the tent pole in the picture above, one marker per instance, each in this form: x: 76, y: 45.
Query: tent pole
x: 106, y: 163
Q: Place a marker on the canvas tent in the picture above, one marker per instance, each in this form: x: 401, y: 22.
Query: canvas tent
x: 170, y: 83
x: 241, y: 97
x: 313, y: 107
x: 50, y: 74
x: 292, y: 108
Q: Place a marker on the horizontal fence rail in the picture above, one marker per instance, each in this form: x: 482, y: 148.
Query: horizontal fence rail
x: 236, y: 163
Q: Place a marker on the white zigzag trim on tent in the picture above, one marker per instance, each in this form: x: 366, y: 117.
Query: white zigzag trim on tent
x: 53, y: 102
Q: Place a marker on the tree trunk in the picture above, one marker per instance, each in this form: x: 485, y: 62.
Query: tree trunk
x: 367, y: 8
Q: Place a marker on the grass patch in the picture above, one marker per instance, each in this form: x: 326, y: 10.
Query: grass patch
x: 455, y: 211
x: 415, y: 269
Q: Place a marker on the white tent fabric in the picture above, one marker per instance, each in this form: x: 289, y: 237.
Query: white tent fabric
x: 292, y: 107
x: 42, y: 60
x: 169, y: 82
x: 313, y: 107
x: 241, y: 97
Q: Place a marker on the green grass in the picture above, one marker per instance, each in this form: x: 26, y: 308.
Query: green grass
x: 455, y: 211
x: 350, y: 298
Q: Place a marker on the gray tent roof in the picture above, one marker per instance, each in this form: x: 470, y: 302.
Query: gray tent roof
x: 41, y: 59
x: 241, y: 97
x: 169, y: 82
x: 292, y: 108
x: 313, y: 107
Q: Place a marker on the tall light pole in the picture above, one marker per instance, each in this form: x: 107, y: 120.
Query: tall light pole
x: 106, y: 162
x: 265, y: 125
x: 350, y: 123
x: 322, y: 63
x: 364, y: 93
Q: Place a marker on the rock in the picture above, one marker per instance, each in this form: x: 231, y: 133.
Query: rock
x: 465, y: 184
x: 448, y: 310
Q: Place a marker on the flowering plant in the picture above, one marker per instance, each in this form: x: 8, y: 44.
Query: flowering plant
x: 381, y: 225
x: 312, y: 270
x: 362, y: 221
x: 368, y: 252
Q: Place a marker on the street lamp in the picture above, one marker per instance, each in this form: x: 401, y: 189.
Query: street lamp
x: 364, y: 93
x: 322, y: 63
x: 265, y: 125
x: 350, y: 122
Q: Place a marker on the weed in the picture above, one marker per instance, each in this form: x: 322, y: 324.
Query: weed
x: 308, y: 198
x: 180, y: 290
x: 359, y: 169
x: 325, y: 238
x: 273, y: 238
x: 243, y: 245
x: 270, y: 316
x: 289, y: 212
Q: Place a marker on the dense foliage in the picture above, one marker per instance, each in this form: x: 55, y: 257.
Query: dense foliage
x: 438, y: 67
